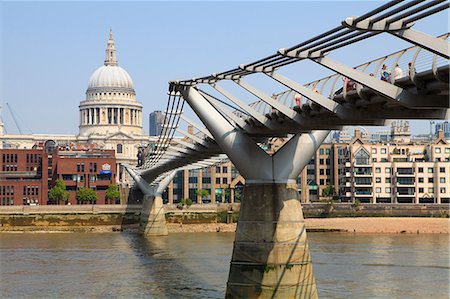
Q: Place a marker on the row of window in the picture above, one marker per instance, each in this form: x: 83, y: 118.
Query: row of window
x: 9, y: 167
x: 6, y: 190
x: 30, y: 190
x: 33, y: 158
x: 403, y: 151
x: 421, y: 190
x: 409, y: 170
x: 92, y: 177
x: 9, y: 158
x: 224, y: 169
x: 92, y: 167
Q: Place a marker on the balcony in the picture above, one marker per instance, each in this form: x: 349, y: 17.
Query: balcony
x: 363, y: 194
x: 348, y: 174
x: 405, y: 183
x: 406, y: 194
x: 348, y: 184
x: 363, y: 173
x: 405, y: 172
x: 348, y: 164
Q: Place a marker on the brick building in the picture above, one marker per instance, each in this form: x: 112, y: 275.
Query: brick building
x: 27, y: 175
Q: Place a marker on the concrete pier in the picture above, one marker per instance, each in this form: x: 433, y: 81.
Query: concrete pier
x: 153, y: 220
x: 271, y: 256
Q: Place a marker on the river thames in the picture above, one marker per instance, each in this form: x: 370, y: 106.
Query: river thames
x: 195, y: 265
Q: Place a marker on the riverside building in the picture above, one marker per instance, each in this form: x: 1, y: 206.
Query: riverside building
x: 28, y: 174
x: 400, y: 171
x: 110, y: 117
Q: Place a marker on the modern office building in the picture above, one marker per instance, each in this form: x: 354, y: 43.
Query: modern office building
x: 445, y: 127
x: 156, y: 121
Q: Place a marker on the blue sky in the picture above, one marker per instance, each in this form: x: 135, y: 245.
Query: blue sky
x: 50, y: 49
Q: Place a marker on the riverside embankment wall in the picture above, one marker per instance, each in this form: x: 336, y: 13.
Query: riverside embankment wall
x: 117, y: 217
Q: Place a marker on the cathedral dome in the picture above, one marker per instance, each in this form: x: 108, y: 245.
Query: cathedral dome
x: 110, y: 76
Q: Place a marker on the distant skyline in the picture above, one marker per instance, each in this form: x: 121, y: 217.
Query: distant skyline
x: 49, y: 50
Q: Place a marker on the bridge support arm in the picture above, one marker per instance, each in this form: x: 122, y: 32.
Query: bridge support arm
x: 271, y: 256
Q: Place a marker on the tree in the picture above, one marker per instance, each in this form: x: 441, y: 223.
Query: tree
x: 202, y: 193
x: 328, y: 191
x: 112, y: 193
x: 86, y: 195
x: 58, y: 192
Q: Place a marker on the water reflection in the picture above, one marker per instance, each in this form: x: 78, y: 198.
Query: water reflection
x: 117, y: 265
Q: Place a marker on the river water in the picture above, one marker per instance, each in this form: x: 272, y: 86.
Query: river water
x: 195, y: 265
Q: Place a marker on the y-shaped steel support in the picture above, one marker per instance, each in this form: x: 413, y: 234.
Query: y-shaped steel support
x: 271, y: 257
x: 153, y: 220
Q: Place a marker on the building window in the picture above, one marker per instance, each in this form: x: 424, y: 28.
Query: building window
x: 119, y: 148
x: 387, y: 190
x: 218, y: 181
x: 321, y: 151
x: 388, y: 180
x: 420, y: 190
x: 374, y: 151
x: 378, y: 180
x: 420, y: 169
x: 430, y: 180
x: 217, y: 169
x: 327, y: 151
x: 82, y: 167
x: 362, y: 157
x: 377, y: 169
x: 437, y: 150
x: 442, y: 180
x: 321, y: 171
x: 447, y: 150
x: 388, y: 170
x: 321, y: 161
x: 225, y: 180
x: 442, y: 190
x: 383, y: 150
x: 430, y: 190
x: 374, y: 159
x: 78, y: 167
x: 420, y: 180
x: 225, y: 169
x: 442, y: 169
x: 430, y: 170
x: 378, y: 190
x: 322, y: 182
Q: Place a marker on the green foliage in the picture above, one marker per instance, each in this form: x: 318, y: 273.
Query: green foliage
x: 202, y: 193
x: 183, y: 202
x: 86, y: 194
x: 237, y: 195
x: 396, y: 151
x: 356, y: 204
x: 112, y: 192
x: 328, y: 191
x: 58, y: 192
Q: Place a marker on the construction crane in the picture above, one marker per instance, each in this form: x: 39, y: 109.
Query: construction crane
x: 14, y: 118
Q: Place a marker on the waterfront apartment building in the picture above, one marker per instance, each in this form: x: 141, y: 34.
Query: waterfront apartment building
x: 397, y: 172
x: 27, y: 175
x: 380, y: 172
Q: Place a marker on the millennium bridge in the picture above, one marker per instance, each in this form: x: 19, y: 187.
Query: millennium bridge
x: 271, y: 258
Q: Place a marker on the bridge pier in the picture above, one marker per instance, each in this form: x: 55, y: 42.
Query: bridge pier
x: 153, y: 219
x: 271, y: 256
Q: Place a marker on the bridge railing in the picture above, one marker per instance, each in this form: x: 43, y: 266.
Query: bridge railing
x: 420, y: 59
